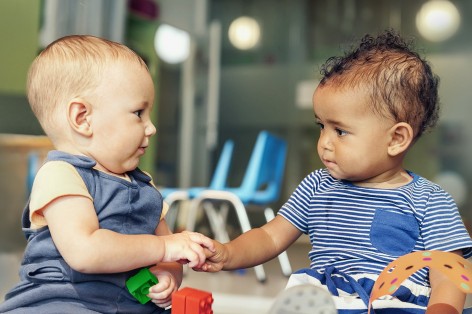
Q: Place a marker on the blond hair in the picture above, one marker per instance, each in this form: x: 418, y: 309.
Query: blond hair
x: 68, y: 68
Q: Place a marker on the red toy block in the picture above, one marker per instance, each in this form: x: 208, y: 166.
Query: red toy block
x: 192, y: 301
x: 199, y: 302
x: 178, y: 302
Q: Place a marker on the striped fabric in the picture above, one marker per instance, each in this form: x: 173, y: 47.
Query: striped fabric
x: 361, y: 230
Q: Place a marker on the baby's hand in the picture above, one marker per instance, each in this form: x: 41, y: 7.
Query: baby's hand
x: 161, y: 293
x: 215, y: 260
x: 187, y: 247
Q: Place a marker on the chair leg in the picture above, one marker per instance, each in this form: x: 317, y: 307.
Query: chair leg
x: 216, y: 222
x: 283, y: 257
x: 245, y: 226
x: 240, y: 212
x: 171, y: 218
x: 192, y: 213
x: 223, y: 212
x: 172, y: 201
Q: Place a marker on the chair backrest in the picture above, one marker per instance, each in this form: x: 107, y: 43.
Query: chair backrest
x: 220, y: 175
x: 218, y: 179
x: 263, y: 179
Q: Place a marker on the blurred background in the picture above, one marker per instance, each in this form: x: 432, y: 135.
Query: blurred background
x: 227, y: 69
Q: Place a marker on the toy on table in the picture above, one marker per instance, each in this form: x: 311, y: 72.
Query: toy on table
x: 456, y: 268
x: 191, y: 301
x: 139, y: 284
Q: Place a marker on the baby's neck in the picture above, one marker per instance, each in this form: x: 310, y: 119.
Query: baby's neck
x: 70, y: 149
x: 123, y: 176
x: 397, y: 180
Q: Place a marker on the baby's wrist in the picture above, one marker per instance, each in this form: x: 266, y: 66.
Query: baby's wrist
x: 226, y: 257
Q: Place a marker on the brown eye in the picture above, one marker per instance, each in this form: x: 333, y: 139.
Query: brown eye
x: 341, y: 132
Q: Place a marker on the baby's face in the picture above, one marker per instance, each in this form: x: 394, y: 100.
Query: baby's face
x: 121, y: 117
x: 353, y: 140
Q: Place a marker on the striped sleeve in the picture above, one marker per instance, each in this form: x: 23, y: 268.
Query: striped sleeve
x: 295, y: 210
x: 442, y: 227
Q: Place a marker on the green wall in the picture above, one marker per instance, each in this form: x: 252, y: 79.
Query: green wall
x: 19, y: 27
x: 19, y: 31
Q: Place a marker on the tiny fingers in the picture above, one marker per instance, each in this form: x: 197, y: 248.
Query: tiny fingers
x: 198, y: 254
x: 193, y: 258
x: 162, y: 303
x: 161, y: 293
x: 202, y: 240
x: 203, y: 268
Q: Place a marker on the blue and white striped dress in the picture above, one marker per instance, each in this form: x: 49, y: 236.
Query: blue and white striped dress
x: 356, y: 232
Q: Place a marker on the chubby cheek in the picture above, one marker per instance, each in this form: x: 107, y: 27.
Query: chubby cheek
x: 350, y: 159
x: 319, y: 150
x: 346, y: 161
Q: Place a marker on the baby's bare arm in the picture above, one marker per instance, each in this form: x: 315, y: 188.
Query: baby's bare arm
x: 446, y: 297
x: 87, y: 248
x: 254, y: 247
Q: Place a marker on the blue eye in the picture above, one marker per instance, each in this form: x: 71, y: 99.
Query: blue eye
x: 321, y: 125
x: 341, y: 132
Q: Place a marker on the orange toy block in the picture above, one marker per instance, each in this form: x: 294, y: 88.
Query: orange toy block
x: 192, y: 301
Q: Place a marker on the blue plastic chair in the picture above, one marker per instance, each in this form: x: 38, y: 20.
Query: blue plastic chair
x: 218, y: 181
x: 260, y: 186
x: 32, y: 169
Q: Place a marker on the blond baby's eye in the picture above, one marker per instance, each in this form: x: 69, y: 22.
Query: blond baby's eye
x: 138, y: 113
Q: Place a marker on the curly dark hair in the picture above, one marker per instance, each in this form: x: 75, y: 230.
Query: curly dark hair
x: 400, y: 83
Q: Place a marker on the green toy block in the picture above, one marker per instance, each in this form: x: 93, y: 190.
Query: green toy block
x: 139, y: 285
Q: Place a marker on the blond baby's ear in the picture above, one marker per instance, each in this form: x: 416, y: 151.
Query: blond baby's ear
x: 78, y: 116
x: 401, y: 137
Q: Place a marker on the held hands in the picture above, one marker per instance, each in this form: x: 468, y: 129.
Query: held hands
x: 187, y: 247
x: 215, y: 260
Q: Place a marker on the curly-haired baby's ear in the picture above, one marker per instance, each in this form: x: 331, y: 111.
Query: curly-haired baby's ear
x: 401, y: 138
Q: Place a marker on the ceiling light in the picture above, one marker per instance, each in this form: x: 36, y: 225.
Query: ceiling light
x: 438, y: 20
x: 244, y: 33
x: 172, y: 45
